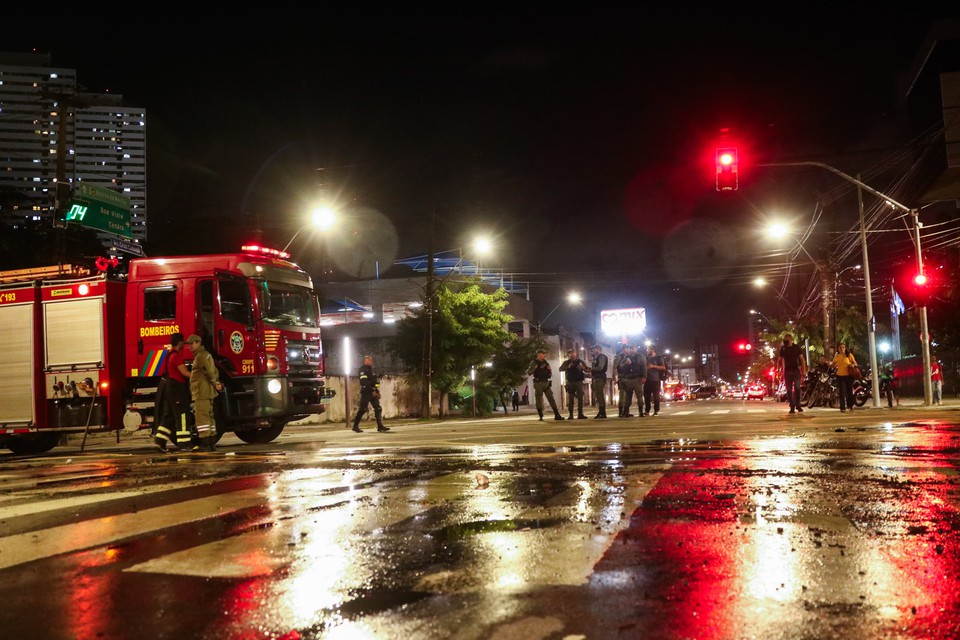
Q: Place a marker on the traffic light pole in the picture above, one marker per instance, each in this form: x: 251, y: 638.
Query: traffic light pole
x: 871, y: 319
x: 924, y: 329
x: 924, y: 332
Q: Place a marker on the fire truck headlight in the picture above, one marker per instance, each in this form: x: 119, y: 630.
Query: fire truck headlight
x: 274, y: 386
x: 294, y: 355
x: 273, y: 364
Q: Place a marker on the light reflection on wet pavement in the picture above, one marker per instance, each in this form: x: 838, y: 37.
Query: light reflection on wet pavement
x: 846, y: 534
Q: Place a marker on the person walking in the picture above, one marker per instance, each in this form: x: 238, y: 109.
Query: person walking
x: 936, y: 378
x: 542, y: 373
x: 205, y: 386
x: 173, y: 398
x: 516, y: 400
x: 369, y: 395
x: 574, y: 370
x: 842, y: 362
x: 656, y: 372
x: 598, y: 379
x: 792, y: 365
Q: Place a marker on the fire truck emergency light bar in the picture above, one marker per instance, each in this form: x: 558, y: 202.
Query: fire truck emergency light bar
x: 267, y: 251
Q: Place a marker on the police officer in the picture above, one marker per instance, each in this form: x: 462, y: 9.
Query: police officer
x: 656, y: 372
x: 369, y: 395
x: 541, y: 371
x: 631, y: 373
x: 598, y: 383
x: 574, y: 368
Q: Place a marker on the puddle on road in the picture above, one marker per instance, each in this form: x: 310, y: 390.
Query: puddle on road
x: 478, y: 527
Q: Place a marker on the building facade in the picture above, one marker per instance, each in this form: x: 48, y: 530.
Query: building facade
x: 51, y: 127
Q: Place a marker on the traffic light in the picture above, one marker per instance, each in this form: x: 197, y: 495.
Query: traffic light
x: 921, y: 289
x: 744, y: 347
x: 728, y: 178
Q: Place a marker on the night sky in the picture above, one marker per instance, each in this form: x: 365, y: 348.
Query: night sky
x: 578, y: 136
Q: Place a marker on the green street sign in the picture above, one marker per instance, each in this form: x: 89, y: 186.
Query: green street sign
x: 100, y: 208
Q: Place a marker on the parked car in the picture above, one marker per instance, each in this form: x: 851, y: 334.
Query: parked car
x: 705, y: 392
x: 756, y: 391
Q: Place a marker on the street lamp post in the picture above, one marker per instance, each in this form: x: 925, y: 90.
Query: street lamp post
x: 871, y: 320
x: 321, y: 219
x: 572, y: 298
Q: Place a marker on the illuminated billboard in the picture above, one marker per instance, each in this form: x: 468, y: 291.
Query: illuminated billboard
x: 623, y: 322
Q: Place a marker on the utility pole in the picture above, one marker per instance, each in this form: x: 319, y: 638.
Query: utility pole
x: 426, y: 397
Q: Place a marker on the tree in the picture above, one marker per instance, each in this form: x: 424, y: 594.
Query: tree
x: 509, y: 367
x: 468, y: 331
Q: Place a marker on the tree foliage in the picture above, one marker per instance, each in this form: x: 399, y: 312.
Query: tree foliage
x: 509, y: 367
x: 469, y: 329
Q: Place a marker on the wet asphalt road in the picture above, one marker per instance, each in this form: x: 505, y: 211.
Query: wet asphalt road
x: 714, y: 520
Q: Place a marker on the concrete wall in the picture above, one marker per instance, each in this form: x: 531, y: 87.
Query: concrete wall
x: 398, y: 397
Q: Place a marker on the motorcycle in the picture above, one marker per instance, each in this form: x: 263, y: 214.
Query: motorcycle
x: 821, y: 389
x: 863, y: 390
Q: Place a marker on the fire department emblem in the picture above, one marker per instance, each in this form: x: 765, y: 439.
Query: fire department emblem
x: 236, y: 342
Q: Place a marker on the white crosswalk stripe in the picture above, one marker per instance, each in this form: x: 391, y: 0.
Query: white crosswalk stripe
x: 719, y: 411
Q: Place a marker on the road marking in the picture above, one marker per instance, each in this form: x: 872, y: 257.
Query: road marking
x: 681, y: 413
x: 34, y: 545
x: 719, y: 411
x: 756, y: 410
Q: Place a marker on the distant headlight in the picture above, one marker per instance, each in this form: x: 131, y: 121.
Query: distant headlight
x: 274, y: 386
x: 294, y: 355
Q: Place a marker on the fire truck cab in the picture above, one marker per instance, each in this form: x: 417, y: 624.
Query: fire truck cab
x: 94, y: 347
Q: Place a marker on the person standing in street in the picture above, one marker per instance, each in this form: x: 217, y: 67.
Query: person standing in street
x: 369, y: 395
x: 542, y: 373
x: 936, y: 379
x: 656, y: 371
x: 598, y: 379
x: 173, y: 398
x: 793, y: 367
x: 574, y: 370
x: 631, y: 375
x: 842, y: 363
x: 516, y: 400
x: 205, y: 386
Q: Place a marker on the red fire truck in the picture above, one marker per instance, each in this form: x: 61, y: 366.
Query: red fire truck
x: 83, y: 350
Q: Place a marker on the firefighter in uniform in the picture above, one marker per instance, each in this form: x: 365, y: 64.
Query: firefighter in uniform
x: 598, y: 379
x: 541, y: 372
x: 173, y: 398
x: 574, y: 368
x: 369, y: 395
x: 205, y: 385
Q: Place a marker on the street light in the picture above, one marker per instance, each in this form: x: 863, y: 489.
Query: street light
x: 321, y: 219
x: 573, y: 298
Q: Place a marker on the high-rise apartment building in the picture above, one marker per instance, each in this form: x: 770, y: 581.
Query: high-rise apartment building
x: 103, y: 142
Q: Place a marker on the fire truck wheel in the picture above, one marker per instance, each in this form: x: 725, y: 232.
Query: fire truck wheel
x: 261, y: 436
x: 34, y: 443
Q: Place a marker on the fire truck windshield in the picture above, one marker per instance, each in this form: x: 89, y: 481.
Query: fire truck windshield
x: 287, y: 304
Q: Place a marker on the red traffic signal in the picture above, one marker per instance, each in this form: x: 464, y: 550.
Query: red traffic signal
x: 727, y: 163
x: 920, y: 280
x: 744, y: 347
